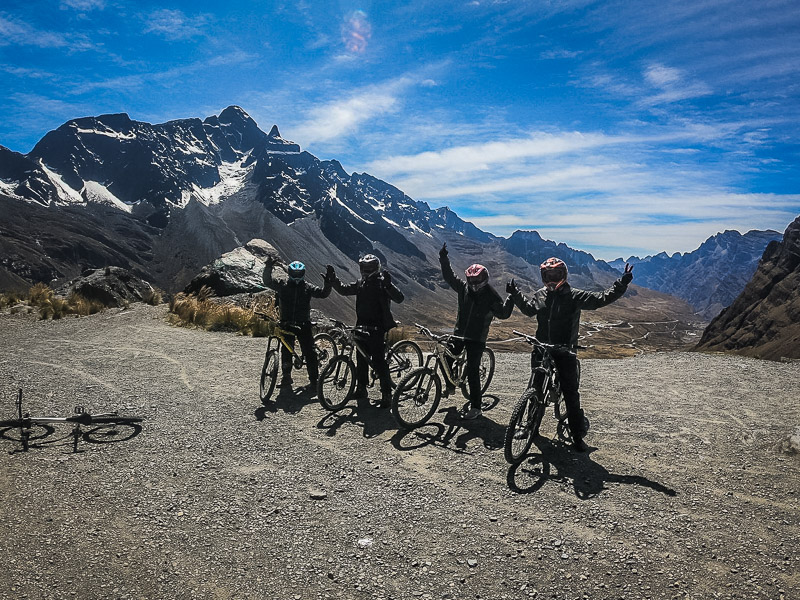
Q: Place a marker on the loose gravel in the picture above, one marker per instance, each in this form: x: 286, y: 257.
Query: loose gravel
x: 688, y: 491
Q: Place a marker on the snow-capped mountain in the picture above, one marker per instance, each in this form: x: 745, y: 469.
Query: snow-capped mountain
x: 710, y: 277
x: 166, y: 199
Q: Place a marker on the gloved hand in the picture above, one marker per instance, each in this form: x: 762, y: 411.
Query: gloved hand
x: 330, y: 274
x: 386, y: 277
x: 443, y: 251
x: 511, y: 288
x: 627, y: 276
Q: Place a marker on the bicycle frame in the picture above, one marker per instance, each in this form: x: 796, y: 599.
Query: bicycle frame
x: 441, y: 350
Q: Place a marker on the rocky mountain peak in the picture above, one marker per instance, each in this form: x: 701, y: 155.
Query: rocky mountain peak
x: 764, y: 320
x: 274, y: 133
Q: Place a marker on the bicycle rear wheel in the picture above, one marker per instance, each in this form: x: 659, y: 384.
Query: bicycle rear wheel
x: 326, y: 349
x: 336, y: 383
x: 486, y: 371
x: 402, y: 357
x: 416, y: 398
x: 523, y: 425
x: 269, y: 373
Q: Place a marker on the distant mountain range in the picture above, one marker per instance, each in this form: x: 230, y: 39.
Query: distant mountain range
x: 164, y: 200
x: 708, y: 278
x: 764, y: 320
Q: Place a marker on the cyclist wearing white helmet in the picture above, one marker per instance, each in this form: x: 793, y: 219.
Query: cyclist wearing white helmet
x: 374, y: 292
x: 478, y: 304
x: 293, y: 297
x: 557, y: 307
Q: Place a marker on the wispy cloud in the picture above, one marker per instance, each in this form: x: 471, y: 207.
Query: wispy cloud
x: 174, y: 25
x: 16, y: 32
x: 83, y: 5
x: 344, y: 117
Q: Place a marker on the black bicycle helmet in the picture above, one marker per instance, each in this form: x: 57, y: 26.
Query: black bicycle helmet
x: 369, y: 265
x: 554, y: 273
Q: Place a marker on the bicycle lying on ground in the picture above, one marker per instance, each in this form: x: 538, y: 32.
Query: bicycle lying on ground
x: 544, y: 389
x: 32, y: 428
x: 417, y: 395
x: 286, y: 335
x: 338, y: 379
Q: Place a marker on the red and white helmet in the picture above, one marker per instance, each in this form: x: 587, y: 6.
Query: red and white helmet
x: 477, y: 277
x: 554, y: 273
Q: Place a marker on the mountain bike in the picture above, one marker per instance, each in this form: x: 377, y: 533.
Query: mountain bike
x: 338, y: 379
x: 324, y: 346
x: 543, y: 390
x: 418, y: 394
x: 32, y: 428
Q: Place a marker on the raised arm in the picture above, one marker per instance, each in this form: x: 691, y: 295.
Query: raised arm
x: 447, y: 271
x: 391, y: 289
x: 594, y: 300
x: 345, y: 289
x: 266, y: 276
x: 529, y: 308
x: 325, y: 290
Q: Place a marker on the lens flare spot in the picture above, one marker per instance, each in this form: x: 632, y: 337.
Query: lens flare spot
x: 356, y: 32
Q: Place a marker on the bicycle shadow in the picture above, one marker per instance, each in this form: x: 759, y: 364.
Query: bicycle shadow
x: 373, y: 420
x: 289, y: 399
x: 453, y: 432
x: 106, y: 433
x: 557, y: 461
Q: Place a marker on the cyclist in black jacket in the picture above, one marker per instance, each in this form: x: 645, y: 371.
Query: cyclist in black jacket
x: 374, y: 292
x: 557, y: 307
x: 478, y: 304
x: 293, y: 297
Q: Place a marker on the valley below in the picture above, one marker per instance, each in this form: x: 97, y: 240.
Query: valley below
x: 691, y: 488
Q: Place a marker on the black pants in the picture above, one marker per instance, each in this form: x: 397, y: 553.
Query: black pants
x: 569, y: 376
x: 375, y: 346
x: 306, y: 339
x: 474, y: 352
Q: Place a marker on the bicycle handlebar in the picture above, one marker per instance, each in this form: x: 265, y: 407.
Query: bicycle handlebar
x: 534, y: 341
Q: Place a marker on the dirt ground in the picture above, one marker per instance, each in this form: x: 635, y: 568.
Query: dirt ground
x: 687, y: 491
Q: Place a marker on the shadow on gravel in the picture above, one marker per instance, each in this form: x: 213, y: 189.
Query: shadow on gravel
x: 42, y: 436
x: 453, y: 432
x: 374, y: 420
x: 557, y: 461
x: 289, y: 400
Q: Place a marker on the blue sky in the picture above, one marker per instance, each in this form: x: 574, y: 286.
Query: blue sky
x: 618, y: 128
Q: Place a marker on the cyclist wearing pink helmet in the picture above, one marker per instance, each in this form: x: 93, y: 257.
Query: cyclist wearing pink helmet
x: 478, y: 304
x: 557, y: 307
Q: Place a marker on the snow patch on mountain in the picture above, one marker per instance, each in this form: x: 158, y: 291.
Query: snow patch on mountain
x: 98, y: 193
x: 66, y: 195
x: 233, y: 177
x: 107, y: 132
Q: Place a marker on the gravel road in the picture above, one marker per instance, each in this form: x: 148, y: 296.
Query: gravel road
x: 686, y: 493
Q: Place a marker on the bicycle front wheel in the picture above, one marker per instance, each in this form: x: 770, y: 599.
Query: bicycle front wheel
x: 416, y: 398
x: 336, y: 383
x: 402, y: 357
x: 269, y: 373
x: 326, y: 349
x: 523, y: 425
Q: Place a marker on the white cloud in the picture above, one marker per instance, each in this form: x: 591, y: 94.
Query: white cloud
x: 83, y: 5
x: 174, y: 24
x: 344, y: 117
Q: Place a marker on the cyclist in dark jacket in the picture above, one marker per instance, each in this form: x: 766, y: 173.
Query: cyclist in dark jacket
x: 478, y: 304
x: 293, y: 297
x: 557, y: 307
x: 374, y: 292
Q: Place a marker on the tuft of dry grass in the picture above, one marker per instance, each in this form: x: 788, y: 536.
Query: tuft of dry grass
x: 199, y: 310
x: 51, y: 306
x: 154, y: 297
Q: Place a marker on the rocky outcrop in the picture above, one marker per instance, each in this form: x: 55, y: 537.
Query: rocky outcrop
x: 112, y: 286
x: 235, y: 272
x: 764, y: 320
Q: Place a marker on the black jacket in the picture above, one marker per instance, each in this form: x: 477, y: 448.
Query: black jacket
x: 294, y: 297
x: 373, y: 300
x: 475, y: 309
x: 558, y: 313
